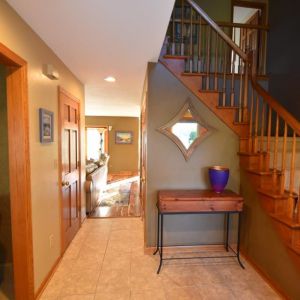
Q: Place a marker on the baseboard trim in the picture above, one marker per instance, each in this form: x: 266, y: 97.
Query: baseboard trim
x: 45, y: 282
x: 266, y: 277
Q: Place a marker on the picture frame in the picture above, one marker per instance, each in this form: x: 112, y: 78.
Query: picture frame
x: 124, y: 137
x: 46, y: 126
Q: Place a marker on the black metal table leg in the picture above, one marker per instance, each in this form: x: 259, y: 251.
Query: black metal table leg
x: 157, y: 241
x: 238, y: 241
x: 227, y: 230
x: 161, y: 243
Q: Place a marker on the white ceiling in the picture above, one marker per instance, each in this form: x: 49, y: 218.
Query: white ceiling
x: 98, y: 38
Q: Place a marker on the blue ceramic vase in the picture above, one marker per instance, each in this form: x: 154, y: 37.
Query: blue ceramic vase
x: 218, y: 177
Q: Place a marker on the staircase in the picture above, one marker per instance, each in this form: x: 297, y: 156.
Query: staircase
x: 224, y: 76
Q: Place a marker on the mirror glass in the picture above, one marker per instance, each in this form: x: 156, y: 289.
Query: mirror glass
x: 186, y: 129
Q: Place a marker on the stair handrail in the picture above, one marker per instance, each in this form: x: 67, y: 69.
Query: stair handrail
x: 216, y: 27
x: 249, y: 58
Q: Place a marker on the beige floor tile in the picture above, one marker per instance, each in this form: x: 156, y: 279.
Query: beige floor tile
x: 213, y: 291
x: 157, y: 294
x: 78, y: 297
x: 80, y: 282
x: 106, y: 260
x: 183, y: 293
x: 116, y: 294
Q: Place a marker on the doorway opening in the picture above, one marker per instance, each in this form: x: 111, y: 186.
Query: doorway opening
x: 249, y: 18
x: 112, y: 162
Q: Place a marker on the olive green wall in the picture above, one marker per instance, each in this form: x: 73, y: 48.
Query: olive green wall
x: 262, y: 244
x: 43, y: 93
x: 218, y: 10
x: 122, y: 157
x: 167, y: 168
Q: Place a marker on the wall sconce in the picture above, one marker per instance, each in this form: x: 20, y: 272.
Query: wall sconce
x: 109, y: 128
x: 50, y: 72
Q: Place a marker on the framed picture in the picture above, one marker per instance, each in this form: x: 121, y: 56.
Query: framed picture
x: 124, y: 137
x: 46, y: 126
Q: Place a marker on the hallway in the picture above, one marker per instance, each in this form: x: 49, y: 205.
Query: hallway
x: 106, y: 261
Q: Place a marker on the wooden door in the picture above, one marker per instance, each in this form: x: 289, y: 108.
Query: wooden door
x: 70, y: 166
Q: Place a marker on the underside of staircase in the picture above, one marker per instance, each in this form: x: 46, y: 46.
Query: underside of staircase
x: 269, y: 136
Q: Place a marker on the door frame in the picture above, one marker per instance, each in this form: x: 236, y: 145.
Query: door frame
x: 19, y: 171
x: 66, y: 93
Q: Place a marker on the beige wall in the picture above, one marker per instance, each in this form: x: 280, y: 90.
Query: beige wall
x: 5, y: 221
x: 19, y: 37
x: 167, y: 168
x: 122, y: 157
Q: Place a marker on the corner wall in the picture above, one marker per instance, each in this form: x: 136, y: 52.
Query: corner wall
x: 167, y: 168
x: 283, y: 65
x: 43, y: 93
x: 122, y: 157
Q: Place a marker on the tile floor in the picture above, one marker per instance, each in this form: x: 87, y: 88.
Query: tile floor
x: 106, y: 261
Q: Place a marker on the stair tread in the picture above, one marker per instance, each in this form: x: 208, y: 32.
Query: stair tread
x: 192, y: 74
x: 227, y: 107
x: 286, y: 220
x: 263, y: 172
x: 240, y: 123
x: 273, y: 193
x: 209, y: 91
x: 248, y: 153
x: 167, y: 56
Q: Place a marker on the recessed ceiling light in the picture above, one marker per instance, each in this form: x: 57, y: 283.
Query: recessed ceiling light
x: 110, y: 79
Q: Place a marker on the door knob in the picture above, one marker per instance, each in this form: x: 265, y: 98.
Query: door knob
x: 65, y: 183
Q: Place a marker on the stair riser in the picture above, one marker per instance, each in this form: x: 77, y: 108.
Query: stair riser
x: 249, y: 162
x: 272, y: 205
x: 290, y: 236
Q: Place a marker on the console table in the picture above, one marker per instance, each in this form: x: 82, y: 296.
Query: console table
x: 171, y: 202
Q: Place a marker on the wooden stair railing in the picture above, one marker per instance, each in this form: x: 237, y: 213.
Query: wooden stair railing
x: 225, y: 77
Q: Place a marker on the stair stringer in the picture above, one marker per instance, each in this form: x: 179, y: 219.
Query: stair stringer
x: 274, y: 207
x: 210, y: 99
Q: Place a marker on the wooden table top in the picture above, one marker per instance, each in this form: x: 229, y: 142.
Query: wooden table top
x: 198, y: 201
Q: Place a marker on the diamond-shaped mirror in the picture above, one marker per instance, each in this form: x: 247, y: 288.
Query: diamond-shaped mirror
x: 186, y: 130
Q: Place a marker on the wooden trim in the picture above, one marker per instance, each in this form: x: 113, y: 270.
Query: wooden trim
x: 267, y: 278
x: 9, y: 58
x: 63, y: 91
x: 19, y: 172
x: 49, y: 276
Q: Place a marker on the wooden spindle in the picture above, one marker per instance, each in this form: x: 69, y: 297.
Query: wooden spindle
x: 275, y: 159
x: 256, y: 125
x: 245, y: 95
x: 216, y: 63
x: 232, y: 80
x: 269, y: 130
x: 182, y: 17
x: 224, y: 75
x: 283, y: 163
x: 208, y: 57
x: 262, y: 129
x: 298, y: 207
x: 291, y: 201
x: 191, y: 34
x: 199, y: 46
x: 250, y: 141
x: 241, y: 91
x: 173, y: 48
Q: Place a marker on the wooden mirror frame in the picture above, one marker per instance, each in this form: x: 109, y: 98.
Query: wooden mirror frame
x: 165, y: 130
